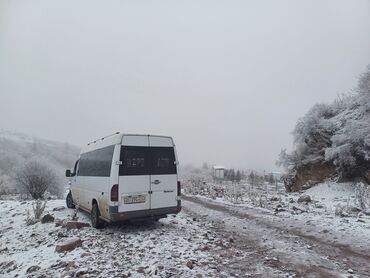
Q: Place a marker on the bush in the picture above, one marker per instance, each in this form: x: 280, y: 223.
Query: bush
x: 36, y: 177
x: 38, y: 209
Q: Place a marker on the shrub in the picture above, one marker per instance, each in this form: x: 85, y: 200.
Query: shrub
x: 38, y: 208
x: 36, y: 177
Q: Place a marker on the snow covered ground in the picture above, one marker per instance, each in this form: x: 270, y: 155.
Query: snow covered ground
x: 209, y: 238
x: 307, y: 235
x: 173, y: 247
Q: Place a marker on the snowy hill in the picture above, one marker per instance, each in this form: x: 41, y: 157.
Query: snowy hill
x: 18, y: 148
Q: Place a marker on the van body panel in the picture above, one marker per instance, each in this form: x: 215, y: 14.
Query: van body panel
x: 131, y: 187
x: 164, y: 191
x: 135, y: 140
x: 164, y: 184
x: 160, y: 141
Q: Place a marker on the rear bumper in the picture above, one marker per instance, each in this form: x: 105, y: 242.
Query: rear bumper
x: 116, y: 216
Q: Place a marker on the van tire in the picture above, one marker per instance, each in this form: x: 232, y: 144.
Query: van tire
x: 69, y: 201
x: 95, y: 214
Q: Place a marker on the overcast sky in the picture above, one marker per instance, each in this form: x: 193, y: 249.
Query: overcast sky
x: 227, y: 79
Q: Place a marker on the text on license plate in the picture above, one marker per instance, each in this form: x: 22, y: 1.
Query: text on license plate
x: 134, y: 199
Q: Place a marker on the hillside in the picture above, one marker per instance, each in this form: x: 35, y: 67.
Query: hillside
x: 18, y: 148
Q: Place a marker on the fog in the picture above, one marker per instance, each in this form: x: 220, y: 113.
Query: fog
x: 227, y: 79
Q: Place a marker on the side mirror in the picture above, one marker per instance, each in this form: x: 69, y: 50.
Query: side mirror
x: 68, y: 173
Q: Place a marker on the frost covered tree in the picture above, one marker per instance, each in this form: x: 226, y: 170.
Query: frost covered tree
x: 338, y: 133
x: 350, y: 150
x: 36, y: 177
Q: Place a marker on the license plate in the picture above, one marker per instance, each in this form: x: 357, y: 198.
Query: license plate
x: 134, y: 199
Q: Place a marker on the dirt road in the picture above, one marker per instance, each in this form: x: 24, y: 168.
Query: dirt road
x: 271, y: 246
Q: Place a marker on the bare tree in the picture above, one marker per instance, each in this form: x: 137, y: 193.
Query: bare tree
x: 36, y: 178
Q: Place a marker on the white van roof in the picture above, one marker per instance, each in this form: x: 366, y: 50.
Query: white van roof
x: 129, y: 140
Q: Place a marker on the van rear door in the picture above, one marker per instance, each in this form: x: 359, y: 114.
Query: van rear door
x: 163, y: 170
x: 134, y: 178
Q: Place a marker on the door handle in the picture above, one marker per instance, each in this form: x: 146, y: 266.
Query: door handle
x: 156, y: 182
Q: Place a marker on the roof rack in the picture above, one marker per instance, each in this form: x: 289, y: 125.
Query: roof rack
x: 101, y: 139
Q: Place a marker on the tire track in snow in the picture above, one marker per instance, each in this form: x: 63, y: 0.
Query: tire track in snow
x: 326, y: 259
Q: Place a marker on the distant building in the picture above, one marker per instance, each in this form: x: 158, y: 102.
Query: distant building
x: 218, y: 172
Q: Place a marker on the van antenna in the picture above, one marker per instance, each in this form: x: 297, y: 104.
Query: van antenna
x: 103, y: 138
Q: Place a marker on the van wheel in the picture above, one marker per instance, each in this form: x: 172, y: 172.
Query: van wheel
x: 95, y: 221
x: 69, y: 201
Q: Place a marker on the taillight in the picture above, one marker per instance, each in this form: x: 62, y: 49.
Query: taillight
x: 114, y: 193
x: 178, y: 188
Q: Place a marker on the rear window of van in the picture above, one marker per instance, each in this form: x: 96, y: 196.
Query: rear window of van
x: 147, y: 161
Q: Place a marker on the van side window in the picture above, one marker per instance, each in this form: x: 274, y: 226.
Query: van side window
x: 96, y: 163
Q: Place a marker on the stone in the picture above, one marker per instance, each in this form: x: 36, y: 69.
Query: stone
x: 354, y: 209
x: 47, y: 218
x: 76, y: 225
x: 59, y: 208
x: 190, y: 264
x: 33, y: 268
x: 81, y: 272
x: 140, y: 270
x: 68, y: 245
x: 304, y: 199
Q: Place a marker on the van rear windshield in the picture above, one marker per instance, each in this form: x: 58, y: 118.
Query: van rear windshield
x: 147, y: 161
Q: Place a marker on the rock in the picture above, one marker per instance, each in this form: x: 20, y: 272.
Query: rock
x: 353, y: 209
x: 190, y: 264
x: 160, y: 267
x: 368, y: 176
x: 366, y: 212
x: 304, y: 199
x: 71, y: 265
x: 81, y: 272
x: 47, y: 219
x: 8, y: 265
x: 61, y: 234
x: 68, y: 245
x: 76, y: 225
x: 85, y: 254
x: 274, y: 199
x: 297, y: 209
x: 60, y: 222
x: 308, y: 175
x: 140, y: 270
x: 59, y: 208
x: 33, y: 268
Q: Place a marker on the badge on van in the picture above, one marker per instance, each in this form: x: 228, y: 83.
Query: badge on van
x: 134, y: 199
